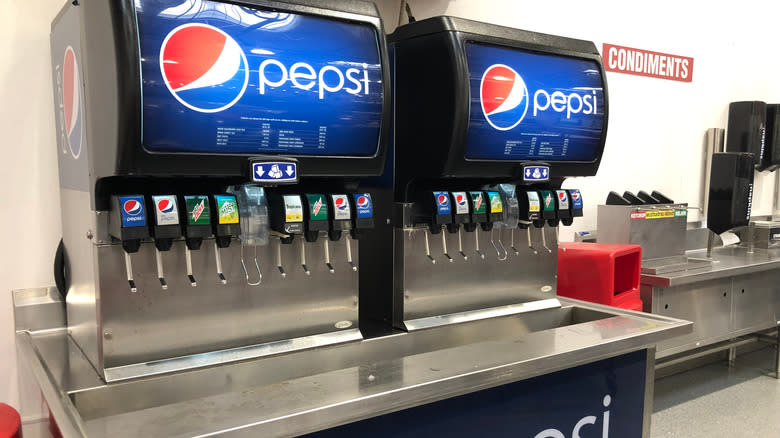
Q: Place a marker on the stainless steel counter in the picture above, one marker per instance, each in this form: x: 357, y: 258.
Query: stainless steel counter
x: 726, y: 262
x: 296, y: 393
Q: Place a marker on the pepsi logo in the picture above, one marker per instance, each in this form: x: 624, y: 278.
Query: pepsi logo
x: 165, y: 206
x: 575, y: 195
x: 132, y: 207
x: 71, y: 101
x: 362, y: 201
x: 340, y: 203
x: 562, y: 195
x: 443, y: 199
x: 503, y: 96
x: 196, y: 59
x: 460, y: 199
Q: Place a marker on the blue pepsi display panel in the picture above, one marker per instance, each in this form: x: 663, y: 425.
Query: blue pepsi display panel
x: 531, y: 106
x: 219, y: 78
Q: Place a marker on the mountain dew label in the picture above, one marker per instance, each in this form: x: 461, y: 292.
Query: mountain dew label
x: 198, y: 211
x: 318, y: 209
x: 478, y: 201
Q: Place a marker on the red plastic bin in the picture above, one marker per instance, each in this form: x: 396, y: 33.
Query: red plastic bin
x: 600, y: 273
x: 10, y: 422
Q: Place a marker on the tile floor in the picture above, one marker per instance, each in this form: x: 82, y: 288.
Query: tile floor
x: 713, y: 401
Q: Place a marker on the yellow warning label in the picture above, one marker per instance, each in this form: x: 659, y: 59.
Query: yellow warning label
x: 533, y: 208
x: 659, y: 214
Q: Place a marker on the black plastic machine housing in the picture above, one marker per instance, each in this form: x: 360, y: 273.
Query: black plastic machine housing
x: 432, y: 99
x: 109, y: 37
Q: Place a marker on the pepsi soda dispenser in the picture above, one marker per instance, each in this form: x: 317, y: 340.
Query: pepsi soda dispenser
x: 215, y: 154
x: 488, y: 122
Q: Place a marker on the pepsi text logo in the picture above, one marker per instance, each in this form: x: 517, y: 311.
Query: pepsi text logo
x: 504, y: 98
x: 196, y: 56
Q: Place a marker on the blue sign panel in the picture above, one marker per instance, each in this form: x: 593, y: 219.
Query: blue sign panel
x: 275, y: 172
x: 527, y: 106
x: 363, y: 206
x: 443, y: 203
x: 576, y: 199
x: 133, y: 211
x: 536, y: 173
x: 225, y: 79
x: 604, y: 399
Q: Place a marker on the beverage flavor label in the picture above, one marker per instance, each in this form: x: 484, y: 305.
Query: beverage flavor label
x: 198, y: 210
x: 576, y: 199
x: 318, y: 208
x: 363, y: 206
x: 341, y: 209
x: 165, y: 210
x: 478, y: 200
x: 533, y: 202
x: 293, y: 208
x: 547, y: 200
x: 496, y: 206
x: 227, y: 208
x: 563, y: 199
x: 461, y: 203
x: 442, y: 203
x: 132, y: 209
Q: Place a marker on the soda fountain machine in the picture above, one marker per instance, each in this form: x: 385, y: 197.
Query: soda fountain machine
x: 210, y: 168
x: 488, y: 123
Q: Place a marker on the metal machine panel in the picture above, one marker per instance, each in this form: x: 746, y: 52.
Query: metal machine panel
x: 660, y: 235
x: 753, y: 296
x: 155, y: 324
x: 708, y: 303
x: 429, y: 289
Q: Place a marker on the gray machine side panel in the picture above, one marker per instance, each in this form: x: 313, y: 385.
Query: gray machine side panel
x: 72, y: 150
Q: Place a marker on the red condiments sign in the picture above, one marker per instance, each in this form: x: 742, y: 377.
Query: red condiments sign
x: 646, y: 63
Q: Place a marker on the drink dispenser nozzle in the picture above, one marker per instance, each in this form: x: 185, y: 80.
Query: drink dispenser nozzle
x: 478, y: 208
x: 127, y: 223
x: 461, y: 214
x: 165, y: 228
x: 340, y: 221
x: 316, y: 220
x: 549, y: 214
x: 196, y: 222
x: 287, y: 221
x: 254, y: 223
x: 226, y: 226
x: 495, y: 215
x: 529, y: 213
x: 511, y: 212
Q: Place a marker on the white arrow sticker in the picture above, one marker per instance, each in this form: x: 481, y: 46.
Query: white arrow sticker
x: 260, y: 171
x: 289, y: 170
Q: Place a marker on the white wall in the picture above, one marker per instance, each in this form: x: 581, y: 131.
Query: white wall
x: 656, y: 127
x: 655, y: 136
x: 29, y: 192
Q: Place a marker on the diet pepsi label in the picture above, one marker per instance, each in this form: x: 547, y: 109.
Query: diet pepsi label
x: 461, y: 202
x: 533, y: 106
x: 165, y: 211
x: 563, y: 199
x: 133, y: 214
x: 226, y: 79
x: 576, y: 199
x: 442, y: 202
x: 363, y: 207
x: 341, y: 209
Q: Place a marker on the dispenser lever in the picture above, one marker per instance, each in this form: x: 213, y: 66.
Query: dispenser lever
x: 160, y: 273
x: 303, y: 258
x: 476, y: 244
x: 188, y: 260
x: 129, y: 269
x: 279, y: 258
x: 444, y: 245
x: 326, y: 248
x: 348, y: 242
x: 257, y: 265
x: 428, y: 248
x: 460, y: 244
x: 218, y: 261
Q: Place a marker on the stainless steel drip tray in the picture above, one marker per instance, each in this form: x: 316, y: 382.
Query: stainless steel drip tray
x: 301, y: 392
